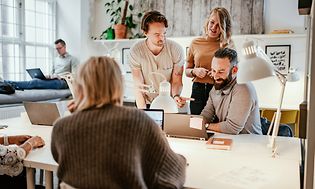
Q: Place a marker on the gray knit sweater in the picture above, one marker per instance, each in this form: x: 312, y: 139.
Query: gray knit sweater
x: 115, y: 147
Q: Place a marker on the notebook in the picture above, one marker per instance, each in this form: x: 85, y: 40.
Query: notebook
x: 219, y: 143
x: 185, y: 126
x: 36, y: 73
x: 44, y: 113
x: 157, y: 115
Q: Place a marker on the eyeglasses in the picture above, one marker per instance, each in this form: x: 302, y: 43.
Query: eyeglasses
x: 58, y: 48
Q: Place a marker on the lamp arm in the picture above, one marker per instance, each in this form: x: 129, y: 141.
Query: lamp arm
x: 283, y: 80
x: 281, y: 77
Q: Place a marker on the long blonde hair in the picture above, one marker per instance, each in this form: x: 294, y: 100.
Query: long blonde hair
x: 99, y: 82
x: 225, y: 25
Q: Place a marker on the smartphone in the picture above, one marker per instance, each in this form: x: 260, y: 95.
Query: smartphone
x: 3, y: 126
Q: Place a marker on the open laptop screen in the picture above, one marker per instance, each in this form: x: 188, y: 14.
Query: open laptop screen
x: 157, y: 115
x: 36, y: 73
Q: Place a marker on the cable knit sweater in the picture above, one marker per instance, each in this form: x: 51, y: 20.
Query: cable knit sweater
x: 115, y: 147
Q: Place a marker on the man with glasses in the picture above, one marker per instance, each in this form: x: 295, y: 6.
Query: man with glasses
x: 63, y: 65
x: 155, y: 59
x: 231, y: 108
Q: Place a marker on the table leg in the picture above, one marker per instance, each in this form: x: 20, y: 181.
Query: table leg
x: 49, y: 179
x: 30, y: 177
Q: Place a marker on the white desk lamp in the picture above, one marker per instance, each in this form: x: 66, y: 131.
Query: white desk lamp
x: 164, y: 100
x: 257, y: 65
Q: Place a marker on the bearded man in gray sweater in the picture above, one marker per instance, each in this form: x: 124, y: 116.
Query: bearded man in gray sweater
x: 232, y: 108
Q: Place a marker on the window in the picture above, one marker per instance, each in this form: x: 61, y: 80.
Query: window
x: 27, y: 33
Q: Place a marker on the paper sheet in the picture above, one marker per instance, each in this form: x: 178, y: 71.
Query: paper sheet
x: 196, y: 123
x: 244, y: 177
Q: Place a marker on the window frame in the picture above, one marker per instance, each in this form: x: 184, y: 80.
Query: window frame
x: 20, y: 39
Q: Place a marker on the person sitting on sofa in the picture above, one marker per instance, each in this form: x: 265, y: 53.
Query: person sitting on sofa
x: 64, y: 63
x: 107, y: 145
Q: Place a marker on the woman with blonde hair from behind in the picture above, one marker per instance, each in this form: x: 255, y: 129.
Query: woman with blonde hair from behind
x: 217, y: 34
x: 105, y: 145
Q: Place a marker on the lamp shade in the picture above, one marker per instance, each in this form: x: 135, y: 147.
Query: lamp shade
x: 256, y: 64
x: 164, y: 100
x: 292, y: 75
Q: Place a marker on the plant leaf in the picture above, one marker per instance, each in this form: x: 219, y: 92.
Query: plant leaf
x: 130, y: 7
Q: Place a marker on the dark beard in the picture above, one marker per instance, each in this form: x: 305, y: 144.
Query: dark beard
x: 219, y: 86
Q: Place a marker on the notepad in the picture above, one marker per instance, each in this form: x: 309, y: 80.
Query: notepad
x: 219, y: 143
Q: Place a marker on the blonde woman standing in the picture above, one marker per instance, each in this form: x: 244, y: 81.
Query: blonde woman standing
x: 218, y: 31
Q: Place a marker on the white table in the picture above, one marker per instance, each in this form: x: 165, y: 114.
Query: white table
x: 247, y: 165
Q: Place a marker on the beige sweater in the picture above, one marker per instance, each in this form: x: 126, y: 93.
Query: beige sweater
x: 115, y: 147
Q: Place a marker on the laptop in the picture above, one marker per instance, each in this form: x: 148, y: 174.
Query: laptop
x: 42, y: 113
x: 182, y: 126
x: 157, y: 115
x: 36, y: 73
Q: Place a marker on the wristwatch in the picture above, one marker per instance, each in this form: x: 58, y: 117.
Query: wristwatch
x: 176, y: 95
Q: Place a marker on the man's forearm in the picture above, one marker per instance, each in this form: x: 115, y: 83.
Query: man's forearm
x: 215, y: 127
x: 140, y: 101
x: 176, y: 88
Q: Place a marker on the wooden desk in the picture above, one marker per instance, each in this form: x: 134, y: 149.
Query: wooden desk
x: 248, y: 165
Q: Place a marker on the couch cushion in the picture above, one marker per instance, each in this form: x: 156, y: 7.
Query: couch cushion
x: 34, y: 95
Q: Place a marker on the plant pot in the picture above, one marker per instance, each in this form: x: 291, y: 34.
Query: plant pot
x: 120, y: 31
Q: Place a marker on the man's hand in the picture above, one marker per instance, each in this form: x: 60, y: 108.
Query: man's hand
x: 18, y: 139
x: 200, y: 72
x: 71, y: 106
x: 181, y: 101
x: 55, y: 76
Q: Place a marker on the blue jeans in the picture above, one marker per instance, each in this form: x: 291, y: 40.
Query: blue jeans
x: 38, y: 84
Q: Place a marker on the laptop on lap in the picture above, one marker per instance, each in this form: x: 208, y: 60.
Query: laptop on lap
x: 36, y: 73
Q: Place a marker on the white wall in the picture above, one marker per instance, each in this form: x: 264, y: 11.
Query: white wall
x: 283, y: 14
x: 74, y: 20
x: 78, y: 21
x: 279, y: 14
x: 69, y: 24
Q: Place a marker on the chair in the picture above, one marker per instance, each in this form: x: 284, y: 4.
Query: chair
x: 287, y: 117
x: 284, y: 130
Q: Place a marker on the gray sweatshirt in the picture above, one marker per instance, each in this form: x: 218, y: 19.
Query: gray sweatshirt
x: 236, y: 106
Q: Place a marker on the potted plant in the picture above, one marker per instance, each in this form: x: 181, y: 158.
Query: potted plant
x: 121, y: 28
x: 120, y: 21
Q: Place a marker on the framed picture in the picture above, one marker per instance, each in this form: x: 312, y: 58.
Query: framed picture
x: 279, y: 56
x: 124, y: 60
